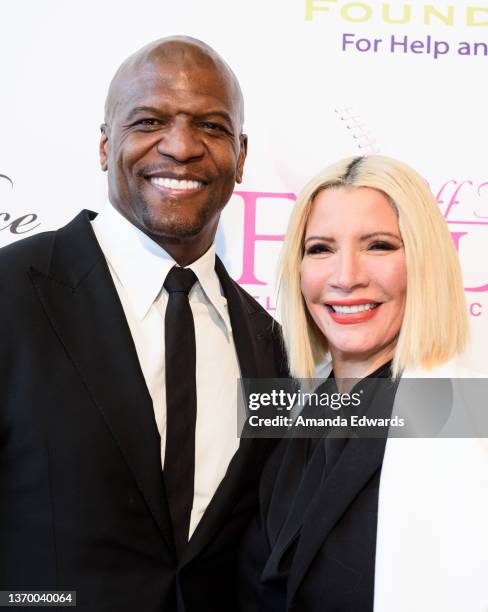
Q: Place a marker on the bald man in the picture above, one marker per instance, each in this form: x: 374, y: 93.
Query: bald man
x: 88, y: 442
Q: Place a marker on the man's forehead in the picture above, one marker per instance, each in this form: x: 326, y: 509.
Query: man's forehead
x: 184, y: 74
x: 160, y: 82
x: 172, y: 79
x: 178, y: 63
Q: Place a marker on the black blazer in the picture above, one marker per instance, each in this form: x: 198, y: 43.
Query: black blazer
x: 82, y: 501
x: 312, y: 546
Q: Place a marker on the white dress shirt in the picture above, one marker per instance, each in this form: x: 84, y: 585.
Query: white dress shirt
x: 139, y: 267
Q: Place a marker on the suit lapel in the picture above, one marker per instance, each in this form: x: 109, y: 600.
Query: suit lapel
x: 251, y: 329
x: 252, y: 334
x: 81, y: 302
x: 359, y: 461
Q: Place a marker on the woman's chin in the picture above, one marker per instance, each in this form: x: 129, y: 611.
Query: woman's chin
x: 360, y: 352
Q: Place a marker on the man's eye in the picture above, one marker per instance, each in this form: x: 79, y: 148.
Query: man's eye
x: 317, y: 249
x: 211, y: 126
x: 147, y: 122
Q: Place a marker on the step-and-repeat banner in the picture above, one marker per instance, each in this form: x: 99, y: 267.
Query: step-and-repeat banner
x: 322, y: 79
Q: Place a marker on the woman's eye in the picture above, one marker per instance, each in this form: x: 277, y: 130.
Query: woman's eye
x: 317, y: 249
x: 382, y: 246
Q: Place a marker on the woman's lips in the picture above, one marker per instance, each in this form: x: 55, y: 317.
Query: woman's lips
x: 357, y: 311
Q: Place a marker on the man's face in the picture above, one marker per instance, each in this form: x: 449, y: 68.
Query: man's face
x: 173, y: 148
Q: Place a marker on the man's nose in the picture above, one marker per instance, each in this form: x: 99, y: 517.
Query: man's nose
x: 181, y: 143
x: 349, y: 272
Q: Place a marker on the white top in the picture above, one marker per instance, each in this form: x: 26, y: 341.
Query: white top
x: 432, y: 538
x: 139, y: 267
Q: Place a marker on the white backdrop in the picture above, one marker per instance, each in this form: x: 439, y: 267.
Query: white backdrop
x: 317, y: 88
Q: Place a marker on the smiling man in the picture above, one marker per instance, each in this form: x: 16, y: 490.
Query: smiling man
x: 172, y: 143
x: 121, y: 474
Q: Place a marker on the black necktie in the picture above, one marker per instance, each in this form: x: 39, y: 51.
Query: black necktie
x: 181, y: 402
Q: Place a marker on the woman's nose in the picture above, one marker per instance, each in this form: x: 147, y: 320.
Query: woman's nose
x: 349, y: 272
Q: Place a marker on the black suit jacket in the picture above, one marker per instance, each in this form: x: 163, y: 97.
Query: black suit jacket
x: 312, y: 546
x: 82, y: 500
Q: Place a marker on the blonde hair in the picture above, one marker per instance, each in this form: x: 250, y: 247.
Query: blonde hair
x: 435, y: 322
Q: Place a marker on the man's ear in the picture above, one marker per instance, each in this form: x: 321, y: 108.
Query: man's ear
x: 103, y: 148
x: 242, y: 157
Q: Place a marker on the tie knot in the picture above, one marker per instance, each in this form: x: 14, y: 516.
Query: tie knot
x: 179, y: 280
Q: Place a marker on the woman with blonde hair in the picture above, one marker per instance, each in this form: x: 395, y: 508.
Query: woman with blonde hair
x: 370, y: 286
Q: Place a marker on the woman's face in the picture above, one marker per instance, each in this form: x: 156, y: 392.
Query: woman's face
x: 353, y: 272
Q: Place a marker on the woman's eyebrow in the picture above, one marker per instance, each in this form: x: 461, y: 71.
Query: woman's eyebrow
x: 363, y: 237
x: 324, y: 238
x: 376, y: 234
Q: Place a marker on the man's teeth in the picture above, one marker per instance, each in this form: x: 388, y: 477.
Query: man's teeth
x: 171, y: 183
x: 353, y: 309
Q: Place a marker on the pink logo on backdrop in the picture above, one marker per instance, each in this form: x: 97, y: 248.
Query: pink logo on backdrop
x: 251, y: 199
x: 449, y: 196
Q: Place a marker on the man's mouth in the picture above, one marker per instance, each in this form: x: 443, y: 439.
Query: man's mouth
x: 173, y: 184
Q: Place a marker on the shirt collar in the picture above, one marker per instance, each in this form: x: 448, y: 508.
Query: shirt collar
x: 141, y: 265
x: 204, y: 269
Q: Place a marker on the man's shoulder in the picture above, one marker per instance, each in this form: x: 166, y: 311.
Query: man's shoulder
x: 20, y: 255
x: 17, y: 260
x: 36, y: 251
x: 268, y: 330
x: 261, y: 315
x: 251, y: 305
x: 256, y: 311
x: 251, y: 302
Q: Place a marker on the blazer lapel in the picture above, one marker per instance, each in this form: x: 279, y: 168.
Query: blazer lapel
x: 300, y: 477
x: 252, y: 334
x: 81, y: 302
x: 360, y: 459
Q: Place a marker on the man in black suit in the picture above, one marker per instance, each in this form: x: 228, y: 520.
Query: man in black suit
x: 83, y: 414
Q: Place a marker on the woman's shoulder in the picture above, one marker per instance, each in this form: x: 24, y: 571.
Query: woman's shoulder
x: 455, y: 368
